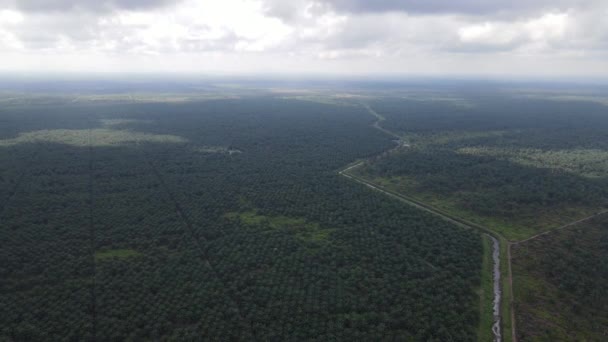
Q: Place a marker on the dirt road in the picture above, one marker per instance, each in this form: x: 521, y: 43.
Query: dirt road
x: 497, y: 289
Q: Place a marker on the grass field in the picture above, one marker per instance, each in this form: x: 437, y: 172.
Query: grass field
x: 514, y: 228
x: 302, y: 229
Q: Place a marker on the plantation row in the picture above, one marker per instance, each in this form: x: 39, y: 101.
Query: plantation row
x: 145, y: 239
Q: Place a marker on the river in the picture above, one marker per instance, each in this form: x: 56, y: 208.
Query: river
x: 497, y: 291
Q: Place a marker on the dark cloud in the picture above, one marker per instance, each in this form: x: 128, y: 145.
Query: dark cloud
x: 286, y: 10
x: 84, y: 5
x: 470, y: 7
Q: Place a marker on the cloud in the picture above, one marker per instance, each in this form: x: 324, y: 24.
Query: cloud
x: 8, y: 17
x: 38, y: 6
x: 469, y: 7
x: 540, y: 32
x: 299, y: 35
x: 192, y: 27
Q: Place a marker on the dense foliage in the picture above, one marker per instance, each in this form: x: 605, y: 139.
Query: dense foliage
x: 222, y: 219
x: 519, y: 165
x: 501, y: 120
x: 491, y: 186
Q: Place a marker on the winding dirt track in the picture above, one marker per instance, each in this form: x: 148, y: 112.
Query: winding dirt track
x: 496, y: 327
x: 496, y: 237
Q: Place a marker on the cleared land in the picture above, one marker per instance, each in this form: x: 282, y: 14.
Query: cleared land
x: 560, y: 284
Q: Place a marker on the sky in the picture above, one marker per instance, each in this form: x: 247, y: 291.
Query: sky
x: 520, y: 38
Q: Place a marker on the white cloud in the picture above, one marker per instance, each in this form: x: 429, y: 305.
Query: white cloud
x: 8, y: 16
x: 484, y: 33
x: 196, y: 26
x: 304, y: 35
x: 542, y: 30
x: 539, y: 32
x: 547, y: 27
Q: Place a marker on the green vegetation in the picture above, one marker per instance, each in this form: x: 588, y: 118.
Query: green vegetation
x: 102, y: 137
x: 128, y: 219
x: 587, y: 163
x: 486, y: 273
x: 560, y: 284
x: 517, y: 167
x: 520, y: 171
x: 486, y: 293
x: 115, y: 254
x: 114, y: 233
x: 298, y: 226
x: 216, y: 149
x: 515, y: 201
x: 252, y: 218
x: 507, y: 298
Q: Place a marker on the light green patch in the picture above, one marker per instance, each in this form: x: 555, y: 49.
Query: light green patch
x: 590, y: 163
x: 152, y: 97
x: 397, y: 181
x: 334, y: 100
x: 116, y: 254
x: 448, y: 137
x: 566, y: 97
x: 110, y: 123
x: 215, y: 149
x: 453, y: 101
x: 94, y: 137
x: 514, y: 228
x: 450, y: 204
x: 251, y: 218
x: 307, y: 231
x: 319, y: 235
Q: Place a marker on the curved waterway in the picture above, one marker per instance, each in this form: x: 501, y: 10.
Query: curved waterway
x: 496, y: 304
x: 497, y: 291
